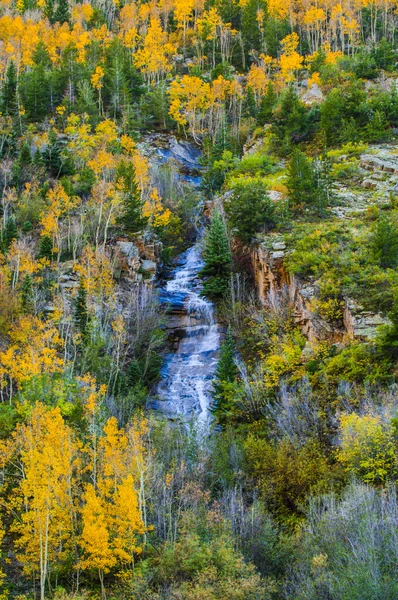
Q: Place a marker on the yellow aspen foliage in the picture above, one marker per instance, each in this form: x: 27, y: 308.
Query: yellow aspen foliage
x: 367, y: 447
x: 278, y: 9
x: 21, y: 261
x: 154, y: 57
x: 315, y: 79
x: 290, y: 60
x: 59, y: 203
x: 47, y: 453
x: 102, y: 164
x: 141, y: 170
x: 81, y: 142
x: 94, y: 540
x: 190, y: 97
x: 33, y: 350
x: 3, y: 595
x: 220, y: 89
x: 154, y: 210
x: 106, y: 132
x: 314, y: 16
x: 111, y: 512
x: 127, y: 144
x: 183, y: 13
x: 96, y: 269
x: 126, y: 521
x: 257, y: 80
x: 81, y: 13
x: 332, y: 57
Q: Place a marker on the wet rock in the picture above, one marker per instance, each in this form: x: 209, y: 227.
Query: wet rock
x: 184, y: 390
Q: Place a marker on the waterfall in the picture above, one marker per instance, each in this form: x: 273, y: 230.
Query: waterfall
x: 184, y: 390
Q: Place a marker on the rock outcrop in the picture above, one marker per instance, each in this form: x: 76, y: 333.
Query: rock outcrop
x: 272, y: 279
x: 137, y: 260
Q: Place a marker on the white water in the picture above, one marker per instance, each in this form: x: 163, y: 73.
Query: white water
x: 185, y: 385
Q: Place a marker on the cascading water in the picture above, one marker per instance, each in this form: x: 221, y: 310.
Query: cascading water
x: 184, y: 390
x: 186, y: 378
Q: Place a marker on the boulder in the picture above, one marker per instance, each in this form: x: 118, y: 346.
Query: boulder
x: 275, y: 196
x: 368, y: 184
x: 279, y: 246
x: 148, y: 265
x: 383, y: 161
x: 313, y: 95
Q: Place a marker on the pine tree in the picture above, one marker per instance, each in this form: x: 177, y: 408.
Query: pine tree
x: 384, y: 243
x: 62, y: 13
x: 387, y: 339
x: 131, y: 218
x: 250, y: 210
x: 378, y: 130
x: 308, y: 183
x: 217, y: 258
x: 27, y: 294
x: 81, y: 314
x: 49, y: 10
x: 41, y: 55
x: 10, y: 233
x: 267, y: 106
x: 53, y: 159
x: 290, y: 123
x: 9, y: 91
x: 46, y: 249
x: 36, y: 93
x: 226, y: 373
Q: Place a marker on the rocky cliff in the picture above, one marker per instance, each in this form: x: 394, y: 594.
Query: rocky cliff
x: 272, y: 278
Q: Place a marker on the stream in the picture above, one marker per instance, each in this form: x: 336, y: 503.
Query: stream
x: 184, y: 389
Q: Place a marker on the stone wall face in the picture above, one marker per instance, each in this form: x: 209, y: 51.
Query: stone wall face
x: 271, y: 278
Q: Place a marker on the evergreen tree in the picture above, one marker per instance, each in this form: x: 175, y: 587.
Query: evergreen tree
x: 225, y: 375
x: 27, y: 294
x: 249, y: 105
x: 21, y: 167
x: 250, y: 210
x: 116, y: 86
x: 268, y: 104
x: 9, y: 91
x: 349, y: 131
x: 290, y: 123
x: 308, y: 183
x: 384, y: 243
x: 81, y: 314
x: 35, y: 92
x: 387, y: 339
x: 49, y: 10
x: 46, y: 249
x: 41, y: 55
x: 53, y: 158
x: 131, y: 218
x: 10, y: 233
x: 377, y: 130
x: 62, y: 14
x: 217, y: 257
